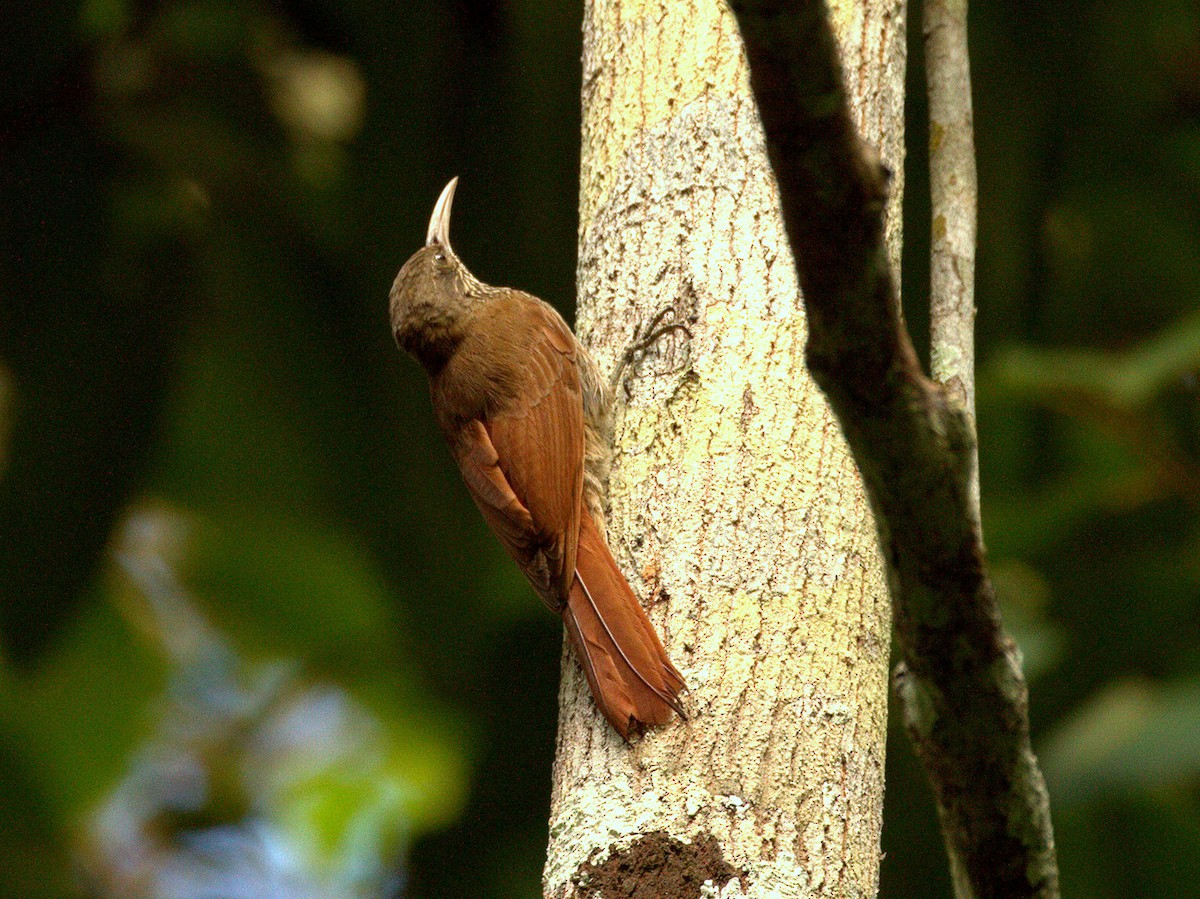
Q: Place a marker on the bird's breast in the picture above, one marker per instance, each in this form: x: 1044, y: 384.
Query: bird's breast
x: 482, y: 379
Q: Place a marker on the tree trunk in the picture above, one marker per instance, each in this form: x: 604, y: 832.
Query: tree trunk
x: 736, y: 510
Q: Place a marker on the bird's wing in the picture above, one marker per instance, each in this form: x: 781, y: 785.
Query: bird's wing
x: 524, y: 463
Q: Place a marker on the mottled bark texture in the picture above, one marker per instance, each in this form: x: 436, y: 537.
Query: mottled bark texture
x: 736, y: 510
x: 953, y: 195
x: 960, y: 681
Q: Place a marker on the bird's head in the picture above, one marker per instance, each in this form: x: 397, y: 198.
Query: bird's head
x: 433, y: 291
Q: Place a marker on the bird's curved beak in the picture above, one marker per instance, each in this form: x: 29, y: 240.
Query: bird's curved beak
x: 439, y: 222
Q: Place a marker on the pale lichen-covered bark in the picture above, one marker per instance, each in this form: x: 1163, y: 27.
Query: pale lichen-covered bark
x: 736, y: 511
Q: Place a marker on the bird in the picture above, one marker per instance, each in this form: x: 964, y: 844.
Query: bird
x: 526, y: 414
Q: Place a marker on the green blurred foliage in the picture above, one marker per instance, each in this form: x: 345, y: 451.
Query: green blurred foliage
x: 1087, y: 121
x: 251, y: 623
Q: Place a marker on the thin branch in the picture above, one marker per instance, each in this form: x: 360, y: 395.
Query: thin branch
x: 954, y: 193
x: 960, y: 681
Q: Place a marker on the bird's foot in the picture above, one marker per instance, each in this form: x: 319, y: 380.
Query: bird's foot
x: 643, y: 339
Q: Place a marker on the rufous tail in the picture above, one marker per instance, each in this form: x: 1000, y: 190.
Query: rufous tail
x: 633, y: 682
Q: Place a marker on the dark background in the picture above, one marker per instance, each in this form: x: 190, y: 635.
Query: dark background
x: 255, y: 639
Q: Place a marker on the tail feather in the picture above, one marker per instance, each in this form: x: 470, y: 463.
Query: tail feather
x: 633, y: 682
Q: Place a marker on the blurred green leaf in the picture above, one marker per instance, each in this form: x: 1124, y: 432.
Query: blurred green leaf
x: 34, y: 854
x: 1023, y: 595
x: 342, y: 784
x: 1132, y: 735
x: 103, y: 18
x: 287, y: 583
x: 208, y: 27
x: 1122, y: 380
x: 359, y: 809
x: 85, y: 709
x: 1129, y: 845
x: 1099, y: 476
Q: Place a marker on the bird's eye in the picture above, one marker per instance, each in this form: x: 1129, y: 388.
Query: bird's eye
x: 440, y: 257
